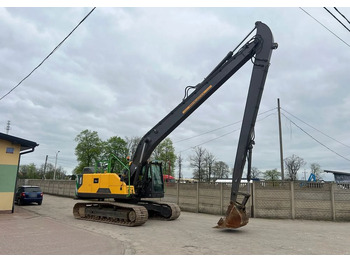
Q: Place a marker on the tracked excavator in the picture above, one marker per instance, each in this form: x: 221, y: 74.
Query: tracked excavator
x: 144, y: 180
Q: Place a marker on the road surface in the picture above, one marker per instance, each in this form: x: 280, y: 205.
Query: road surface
x: 190, y: 234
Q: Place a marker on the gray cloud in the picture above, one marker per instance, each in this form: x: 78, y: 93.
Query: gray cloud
x: 124, y: 69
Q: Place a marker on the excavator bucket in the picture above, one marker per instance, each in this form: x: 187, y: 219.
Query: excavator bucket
x: 236, y: 217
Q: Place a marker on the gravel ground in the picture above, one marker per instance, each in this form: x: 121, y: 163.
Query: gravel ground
x: 190, y: 234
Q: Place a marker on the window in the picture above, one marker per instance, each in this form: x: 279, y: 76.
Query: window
x: 95, y: 180
x: 10, y: 150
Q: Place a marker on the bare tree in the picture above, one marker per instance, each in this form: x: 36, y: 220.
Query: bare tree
x: 292, y: 165
x: 132, y: 144
x: 316, y: 170
x: 197, y: 162
x: 255, y: 172
x: 209, y: 160
x: 221, y: 170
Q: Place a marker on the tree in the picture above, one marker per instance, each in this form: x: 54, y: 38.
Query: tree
x: 165, y: 152
x: 88, y: 149
x: 197, y: 162
x: 48, y: 172
x: 209, y: 160
x: 292, y: 165
x: 316, y: 170
x: 255, y: 172
x: 132, y: 144
x: 116, y: 146
x: 60, y: 173
x: 28, y: 172
x: 221, y: 170
x: 272, y: 175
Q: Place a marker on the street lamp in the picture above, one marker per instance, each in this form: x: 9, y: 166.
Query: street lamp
x: 54, y: 172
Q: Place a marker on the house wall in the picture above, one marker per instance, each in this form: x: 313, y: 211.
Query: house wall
x: 9, y: 156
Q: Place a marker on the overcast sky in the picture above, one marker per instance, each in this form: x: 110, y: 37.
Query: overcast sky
x: 124, y: 69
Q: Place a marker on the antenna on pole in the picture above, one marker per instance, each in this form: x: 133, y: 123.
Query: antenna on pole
x: 280, y: 133
x: 8, y: 127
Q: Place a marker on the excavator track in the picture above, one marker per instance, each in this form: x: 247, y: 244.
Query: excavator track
x: 113, y: 213
x: 176, y: 211
x: 161, y: 210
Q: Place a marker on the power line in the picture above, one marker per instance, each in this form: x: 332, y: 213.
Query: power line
x: 341, y: 14
x: 325, y: 27
x: 316, y: 129
x: 48, y: 55
x: 216, y: 129
x: 336, y: 18
x: 316, y: 139
x: 224, y: 134
x: 209, y: 140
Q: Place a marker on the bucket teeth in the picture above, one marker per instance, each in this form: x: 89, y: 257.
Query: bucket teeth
x: 236, y: 217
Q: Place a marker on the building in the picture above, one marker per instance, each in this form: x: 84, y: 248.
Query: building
x: 340, y: 177
x: 11, y: 150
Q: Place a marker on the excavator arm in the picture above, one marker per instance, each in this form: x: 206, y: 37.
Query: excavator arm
x: 258, y: 49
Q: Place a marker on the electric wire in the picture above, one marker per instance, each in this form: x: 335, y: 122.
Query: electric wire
x: 336, y: 18
x: 325, y: 27
x: 341, y: 14
x: 192, y: 147
x: 48, y: 55
x: 316, y: 139
x: 219, y: 128
x: 316, y: 129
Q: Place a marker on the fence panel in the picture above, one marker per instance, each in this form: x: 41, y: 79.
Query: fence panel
x: 272, y: 200
x: 300, y: 200
x: 342, y: 202
x: 313, y: 200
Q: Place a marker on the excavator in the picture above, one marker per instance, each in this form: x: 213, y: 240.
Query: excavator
x: 143, y: 181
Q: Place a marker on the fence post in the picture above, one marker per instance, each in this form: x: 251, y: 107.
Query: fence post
x: 221, y: 199
x: 253, y: 200
x: 197, y: 208
x: 292, y: 199
x: 178, y: 193
x: 332, y: 201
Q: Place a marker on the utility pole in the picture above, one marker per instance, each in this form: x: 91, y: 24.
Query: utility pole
x: 44, y: 176
x: 180, y: 163
x: 54, y: 172
x: 280, y: 133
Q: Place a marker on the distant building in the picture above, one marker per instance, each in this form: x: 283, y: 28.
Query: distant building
x: 340, y: 177
x: 11, y: 150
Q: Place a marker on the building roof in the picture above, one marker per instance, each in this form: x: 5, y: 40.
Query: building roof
x: 25, y: 144
x: 337, y: 172
x: 340, y: 177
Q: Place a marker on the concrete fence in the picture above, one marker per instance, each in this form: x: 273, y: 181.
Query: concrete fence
x: 289, y: 200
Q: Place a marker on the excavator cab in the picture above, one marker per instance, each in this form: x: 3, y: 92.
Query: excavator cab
x: 152, y: 184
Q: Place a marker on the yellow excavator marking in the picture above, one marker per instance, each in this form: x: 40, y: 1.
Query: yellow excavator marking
x: 197, y: 99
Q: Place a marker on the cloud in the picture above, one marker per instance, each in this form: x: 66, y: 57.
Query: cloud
x: 124, y: 69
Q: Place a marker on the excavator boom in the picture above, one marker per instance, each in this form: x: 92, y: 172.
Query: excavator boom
x: 259, y: 50
x: 236, y: 214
